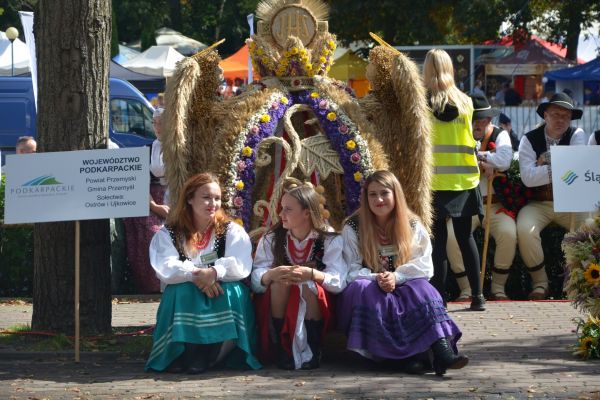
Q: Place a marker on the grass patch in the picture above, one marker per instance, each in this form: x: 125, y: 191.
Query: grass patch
x: 21, y: 338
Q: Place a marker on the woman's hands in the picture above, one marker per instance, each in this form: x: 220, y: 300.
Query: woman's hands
x: 386, y: 281
x: 288, y: 274
x: 206, y: 280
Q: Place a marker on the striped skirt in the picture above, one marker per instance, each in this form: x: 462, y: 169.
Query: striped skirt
x: 393, y: 325
x: 186, y: 315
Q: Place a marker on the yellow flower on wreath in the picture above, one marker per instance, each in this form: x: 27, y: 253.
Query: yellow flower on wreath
x: 332, y: 116
x: 294, y: 51
x: 358, y: 176
x: 350, y: 144
x: 265, y: 118
x: 239, y: 185
x: 247, y: 151
x: 592, y: 273
x: 314, y: 95
x: 284, y: 100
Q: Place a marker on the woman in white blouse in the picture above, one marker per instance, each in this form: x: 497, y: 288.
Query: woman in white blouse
x: 298, y: 263
x: 205, y: 314
x: 390, y: 311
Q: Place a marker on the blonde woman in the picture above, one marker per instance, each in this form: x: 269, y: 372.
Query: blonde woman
x: 455, y: 182
x: 298, y: 263
x: 389, y: 311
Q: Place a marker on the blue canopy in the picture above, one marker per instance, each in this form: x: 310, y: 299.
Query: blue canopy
x: 589, y: 71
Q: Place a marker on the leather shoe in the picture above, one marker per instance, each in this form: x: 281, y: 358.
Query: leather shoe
x: 444, y: 357
x: 478, y: 303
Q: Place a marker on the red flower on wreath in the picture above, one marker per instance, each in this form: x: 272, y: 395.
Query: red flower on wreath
x: 511, y: 191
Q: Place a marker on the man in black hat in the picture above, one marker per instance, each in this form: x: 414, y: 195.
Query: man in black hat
x: 506, y: 123
x: 494, y: 154
x: 536, y: 172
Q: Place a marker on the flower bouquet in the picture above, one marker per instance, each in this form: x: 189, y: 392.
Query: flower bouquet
x: 588, y: 342
x: 511, y: 191
x: 582, y: 254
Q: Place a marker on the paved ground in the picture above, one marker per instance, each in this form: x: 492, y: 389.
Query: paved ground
x: 518, y: 350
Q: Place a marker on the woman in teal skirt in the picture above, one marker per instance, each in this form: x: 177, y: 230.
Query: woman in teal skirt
x: 205, y: 315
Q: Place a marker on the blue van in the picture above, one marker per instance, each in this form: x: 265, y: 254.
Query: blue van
x: 130, y: 114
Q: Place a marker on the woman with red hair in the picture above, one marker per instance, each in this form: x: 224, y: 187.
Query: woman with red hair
x: 205, y: 314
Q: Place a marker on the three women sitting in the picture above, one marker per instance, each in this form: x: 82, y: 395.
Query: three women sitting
x: 389, y: 311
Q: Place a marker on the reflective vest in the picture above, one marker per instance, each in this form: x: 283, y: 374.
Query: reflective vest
x: 454, y: 159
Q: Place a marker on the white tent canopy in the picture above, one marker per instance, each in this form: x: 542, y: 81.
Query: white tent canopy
x: 156, y: 61
x: 21, y: 56
x: 125, y: 53
x: 181, y: 43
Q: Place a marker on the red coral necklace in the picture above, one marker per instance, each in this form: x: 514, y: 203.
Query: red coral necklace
x: 299, y: 256
x: 204, y: 237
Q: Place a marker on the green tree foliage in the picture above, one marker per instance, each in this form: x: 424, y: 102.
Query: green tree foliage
x: 9, y: 15
x: 430, y: 22
x: 404, y: 22
x: 138, y: 19
x: 114, y: 38
x: 563, y: 21
x: 206, y: 21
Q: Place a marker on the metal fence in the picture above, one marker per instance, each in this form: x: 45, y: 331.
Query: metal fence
x: 524, y: 119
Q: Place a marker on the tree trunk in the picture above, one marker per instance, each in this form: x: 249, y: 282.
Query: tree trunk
x: 219, y: 20
x: 575, y: 16
x: 73, y: 53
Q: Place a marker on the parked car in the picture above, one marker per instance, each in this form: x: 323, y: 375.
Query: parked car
x: 130, y: 114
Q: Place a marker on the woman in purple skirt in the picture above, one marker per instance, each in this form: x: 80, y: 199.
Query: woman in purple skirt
x: 389, y: 310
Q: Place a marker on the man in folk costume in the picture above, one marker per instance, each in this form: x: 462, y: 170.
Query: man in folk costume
x: 536, y: 172
x: 494, y: 154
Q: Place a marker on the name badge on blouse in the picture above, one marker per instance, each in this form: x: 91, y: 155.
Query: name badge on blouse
x: 209, y: 258
x: 386, y: 251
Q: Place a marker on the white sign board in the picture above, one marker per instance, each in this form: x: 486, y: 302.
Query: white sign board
x: 575, y: 178
x: 77, y: 185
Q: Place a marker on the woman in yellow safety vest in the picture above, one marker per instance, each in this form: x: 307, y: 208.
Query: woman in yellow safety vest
x: 456, y: 173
